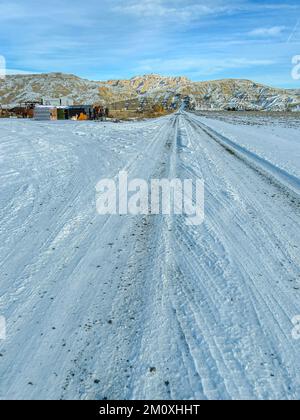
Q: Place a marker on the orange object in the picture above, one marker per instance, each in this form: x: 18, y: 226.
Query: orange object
x: 82, y: 117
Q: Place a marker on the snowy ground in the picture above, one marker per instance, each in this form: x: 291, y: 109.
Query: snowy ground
x: 146, y: 307
x: 274, y: 138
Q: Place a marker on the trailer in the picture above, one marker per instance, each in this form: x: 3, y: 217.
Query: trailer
x: 45, y: 113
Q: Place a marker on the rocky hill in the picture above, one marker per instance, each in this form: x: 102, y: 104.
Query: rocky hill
x: 144, y: 92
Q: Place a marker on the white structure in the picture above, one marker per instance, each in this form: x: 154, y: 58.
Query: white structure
x: 45, y: 113
x: 57, y: 102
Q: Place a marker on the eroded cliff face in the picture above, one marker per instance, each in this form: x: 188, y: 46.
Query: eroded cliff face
x: 142, y: 92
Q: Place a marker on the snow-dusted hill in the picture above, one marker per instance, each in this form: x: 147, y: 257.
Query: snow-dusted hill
x: 149, y: 89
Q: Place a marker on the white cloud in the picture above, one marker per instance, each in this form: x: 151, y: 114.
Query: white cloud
x: 116, y: 38
x: 174, y: 9
x: 268, y: 32
x: 190, y: 10
x: 199, y: 66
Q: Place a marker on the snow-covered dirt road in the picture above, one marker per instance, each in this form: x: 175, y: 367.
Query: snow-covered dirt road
x: 146, y: 307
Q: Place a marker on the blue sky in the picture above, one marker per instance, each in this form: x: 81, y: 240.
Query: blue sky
x: 203, y: 40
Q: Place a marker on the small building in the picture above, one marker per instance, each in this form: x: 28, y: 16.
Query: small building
x: 45, y: 113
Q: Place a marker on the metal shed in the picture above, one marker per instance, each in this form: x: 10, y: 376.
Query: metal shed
x: 77, y: 110
x: 45, y: 113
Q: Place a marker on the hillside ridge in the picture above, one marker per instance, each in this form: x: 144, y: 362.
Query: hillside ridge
x: 148, y: 90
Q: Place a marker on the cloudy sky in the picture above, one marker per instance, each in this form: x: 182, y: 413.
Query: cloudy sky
x: 201, y: 39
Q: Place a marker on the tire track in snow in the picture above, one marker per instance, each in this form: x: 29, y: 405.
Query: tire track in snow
x: 147, y: 307
x: 283, y: 334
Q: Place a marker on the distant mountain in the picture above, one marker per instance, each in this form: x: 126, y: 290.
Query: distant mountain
x: 144, y: 92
